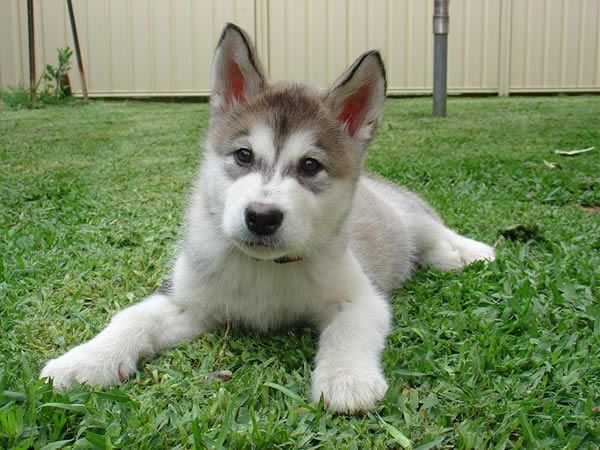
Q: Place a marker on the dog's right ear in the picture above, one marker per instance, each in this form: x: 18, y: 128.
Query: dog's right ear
x: 237, y: 74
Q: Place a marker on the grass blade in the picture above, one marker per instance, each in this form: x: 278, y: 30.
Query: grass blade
x: 57, y: 444
x: 77, y: 407
x: 196, y: 434
x: 226, y: 425
x: 527, y: 428
x: 285, y: 391
x: 398, y: 436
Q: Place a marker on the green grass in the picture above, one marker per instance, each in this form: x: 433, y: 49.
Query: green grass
x: 504, y: 355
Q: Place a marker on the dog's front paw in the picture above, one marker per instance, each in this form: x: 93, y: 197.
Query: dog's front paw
x: 348, y: 389
x: 88, y: 364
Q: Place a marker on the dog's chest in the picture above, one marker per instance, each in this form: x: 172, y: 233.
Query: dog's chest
x: 265, y: 295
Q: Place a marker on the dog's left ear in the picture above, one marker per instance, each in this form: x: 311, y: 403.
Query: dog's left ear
x: 357, y: 97
x: 237, y: 74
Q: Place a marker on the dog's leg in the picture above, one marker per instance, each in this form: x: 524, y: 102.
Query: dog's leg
x: 447, y: 250
x: 348, y: 370
x: 141, y: 330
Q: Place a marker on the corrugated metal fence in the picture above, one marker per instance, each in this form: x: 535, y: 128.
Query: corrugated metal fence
x: 164, y: 47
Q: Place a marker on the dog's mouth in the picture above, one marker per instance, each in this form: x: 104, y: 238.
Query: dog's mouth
x: 267, y: 250
x: 261, y: 243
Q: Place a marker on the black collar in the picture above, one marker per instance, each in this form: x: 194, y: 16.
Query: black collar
x: 287, y: 259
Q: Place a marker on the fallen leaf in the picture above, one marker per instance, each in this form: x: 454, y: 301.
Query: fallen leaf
x: 221, y: 375
x: 573, y: 152
x: 551, y: 165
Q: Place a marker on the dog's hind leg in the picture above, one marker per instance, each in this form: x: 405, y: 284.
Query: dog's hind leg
x: 141, y: 330
x: 447, y: 250
x: 432, y: 242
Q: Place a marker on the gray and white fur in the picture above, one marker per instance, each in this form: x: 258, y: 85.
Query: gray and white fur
x: 283, y: 227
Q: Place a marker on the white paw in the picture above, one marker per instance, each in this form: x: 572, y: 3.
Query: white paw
x: 455, y: 252
x: 471, y: 251
x: 348, y: 389
x: 89, y: 364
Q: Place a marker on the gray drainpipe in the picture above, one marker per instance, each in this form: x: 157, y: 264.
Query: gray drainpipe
x: 441, y: 21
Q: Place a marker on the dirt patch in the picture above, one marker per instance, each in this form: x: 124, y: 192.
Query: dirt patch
x: 590, y: 209
x: 523, y: 233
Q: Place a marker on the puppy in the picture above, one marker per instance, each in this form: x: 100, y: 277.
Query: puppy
x: 283, y: 227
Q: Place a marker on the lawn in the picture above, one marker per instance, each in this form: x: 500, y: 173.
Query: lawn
x: 503, y: 355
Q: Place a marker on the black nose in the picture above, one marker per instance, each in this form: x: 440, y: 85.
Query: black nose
x: 263, y: 219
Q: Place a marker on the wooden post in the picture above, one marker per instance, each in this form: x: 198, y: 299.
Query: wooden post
x: 77, y: 50
x: 31, y: 34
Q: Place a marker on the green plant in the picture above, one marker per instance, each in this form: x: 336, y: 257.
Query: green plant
x: 56, y: 77
x: 56, y: 86
x: 16, y: 97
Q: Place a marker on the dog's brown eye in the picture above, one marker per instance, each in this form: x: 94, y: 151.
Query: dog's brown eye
x: 310, y: 166
x: 243, y: 156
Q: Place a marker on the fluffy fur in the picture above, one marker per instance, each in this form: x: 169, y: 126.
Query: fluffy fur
x: 350, y: 238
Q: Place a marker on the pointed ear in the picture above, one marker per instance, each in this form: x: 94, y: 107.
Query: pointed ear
x: 237, y: 74
x: 357, y: 97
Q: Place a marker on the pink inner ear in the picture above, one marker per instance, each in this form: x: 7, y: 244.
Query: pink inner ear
x: 354, y: 110
x: 236, y: 83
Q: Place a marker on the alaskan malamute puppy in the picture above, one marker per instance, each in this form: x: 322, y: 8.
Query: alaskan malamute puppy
x: 282, y: 228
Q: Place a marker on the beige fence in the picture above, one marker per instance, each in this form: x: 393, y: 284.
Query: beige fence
x: 164, y: 47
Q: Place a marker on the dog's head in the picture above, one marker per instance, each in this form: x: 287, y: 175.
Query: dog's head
x: 282, y: 160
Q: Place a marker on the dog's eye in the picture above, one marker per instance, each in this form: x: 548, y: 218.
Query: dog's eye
x: 243, y: 156
x: 310, y: 166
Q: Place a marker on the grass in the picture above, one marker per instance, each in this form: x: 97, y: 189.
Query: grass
x: 18, y: 97
x: 504, y: 355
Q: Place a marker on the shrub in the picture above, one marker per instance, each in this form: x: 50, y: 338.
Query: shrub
x: 57, y: 88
